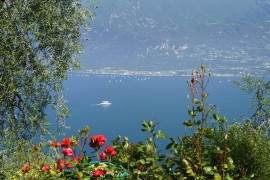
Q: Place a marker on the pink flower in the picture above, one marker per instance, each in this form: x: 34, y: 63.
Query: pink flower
x: 60, y: 164
x: 46, y: 167
x: 102, y: 156
x: 68, y: 152
x: 99, y: 172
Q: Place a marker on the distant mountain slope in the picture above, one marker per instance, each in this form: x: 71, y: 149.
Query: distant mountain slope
x: 158, y: 35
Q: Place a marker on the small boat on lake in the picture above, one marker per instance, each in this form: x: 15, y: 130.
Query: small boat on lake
x: 105, y: 103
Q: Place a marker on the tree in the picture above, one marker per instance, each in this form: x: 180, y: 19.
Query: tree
x: 39, y: 40
x: 259, y: 88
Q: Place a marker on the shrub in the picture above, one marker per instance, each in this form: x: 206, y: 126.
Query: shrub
x: 250, y: 150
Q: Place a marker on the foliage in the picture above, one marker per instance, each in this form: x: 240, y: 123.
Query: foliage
x: 69, y: 160
x: 210, y: 150
x: 39, y: 41
x: 142, y: 160
x: 198, y: 156
x: 259, y: 88
x: 250, y: 150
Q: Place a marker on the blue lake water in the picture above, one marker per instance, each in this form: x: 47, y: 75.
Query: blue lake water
x: 134, y: 99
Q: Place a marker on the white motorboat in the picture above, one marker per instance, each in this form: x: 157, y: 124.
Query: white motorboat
x: 105, y: 103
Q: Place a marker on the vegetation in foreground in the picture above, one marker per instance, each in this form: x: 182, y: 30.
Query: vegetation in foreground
x: 212, y: 149
x: 39, y: 40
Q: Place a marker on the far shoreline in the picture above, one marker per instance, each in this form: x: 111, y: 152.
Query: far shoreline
x: 172, y: 73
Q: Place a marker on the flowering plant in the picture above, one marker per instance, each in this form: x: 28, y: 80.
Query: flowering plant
x: 72, y: 161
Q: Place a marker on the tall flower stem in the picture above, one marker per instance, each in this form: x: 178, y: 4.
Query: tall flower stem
x: 97, y: 155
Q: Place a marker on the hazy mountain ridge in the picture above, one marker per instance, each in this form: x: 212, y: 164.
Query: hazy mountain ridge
x: 171, y: 35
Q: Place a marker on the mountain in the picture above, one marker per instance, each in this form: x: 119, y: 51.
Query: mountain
x: 229, y: 36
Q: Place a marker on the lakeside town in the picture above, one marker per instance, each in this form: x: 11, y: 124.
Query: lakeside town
x: 225, y: 72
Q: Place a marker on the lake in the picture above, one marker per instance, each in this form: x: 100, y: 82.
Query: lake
x: 137, y: 98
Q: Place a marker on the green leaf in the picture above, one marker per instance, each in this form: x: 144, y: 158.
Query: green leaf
x: 230, y: 163
x: 217, y: 176
x: 196, y: 101
x: 228, y: 177
x: 207, y: 168
x: 160, y: 134
x: 80, y: 174
x: 144, y: 124
x: 216, y: 116
x: 200, y: 108
x: 222, y: 120
x: 170, y: 145
x: 191, y: 113
x: 188, y: 123
x: 218, y: 151
x: 189, y: 171
x: 196, y: 123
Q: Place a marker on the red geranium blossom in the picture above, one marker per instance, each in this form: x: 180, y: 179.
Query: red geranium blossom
x: 55, y: 144
x: 65, y: 142
x: 110, y: 150
x: 67, y: 165
x: 97, y: 141
x: 80, y: 157
x: 25, y: 169
x: 99, y: 172
x: 46, y: 167
x: 75, y: 160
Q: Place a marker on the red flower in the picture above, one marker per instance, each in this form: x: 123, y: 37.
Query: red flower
x: 68, y: 151
x: 192, y: 80
x: 46, y: 167
x: 97, y: 141
x: 78, y: 176
x: 92, y: 142
x: 102, y: 155
x: 25, y: 169
x: 35, y: 147
x: 99, y: 172
x: 75, y: 160
x: 65, y: 142
x: 60, y: 164
x: 101, y: 140
x: 113, y: 153
x: 55, y: 144
x: 110, y: 150
x: 141, y: 167
x: 67, y: 165
x: 80, y: 157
